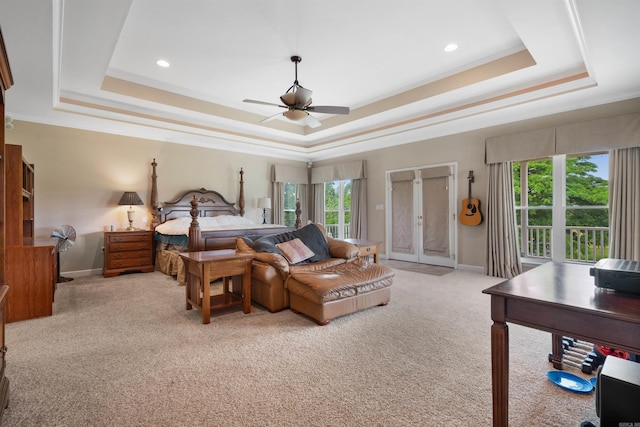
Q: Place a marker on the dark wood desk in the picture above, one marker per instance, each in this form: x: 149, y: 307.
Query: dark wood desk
x: 559, y: 298
x: 203, y: 267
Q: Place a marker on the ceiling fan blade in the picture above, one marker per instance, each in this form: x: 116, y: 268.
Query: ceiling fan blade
x: 312, y: 122
x: 328, y: 109
x: 268, y: 119
x: 253, y: 101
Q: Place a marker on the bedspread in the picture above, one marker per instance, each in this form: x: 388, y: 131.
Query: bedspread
x: 170, y: 263
x: 223, y: 222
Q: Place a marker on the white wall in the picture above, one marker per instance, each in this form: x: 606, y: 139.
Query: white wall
x: 467, y: 150
x: 80, y: 176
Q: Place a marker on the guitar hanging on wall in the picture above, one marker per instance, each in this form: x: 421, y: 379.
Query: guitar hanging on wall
x: 470, y: 213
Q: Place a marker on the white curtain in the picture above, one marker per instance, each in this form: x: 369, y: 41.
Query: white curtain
x: 278, y: 202
x: 503, y: 257
x: 318, y: 203
x: 624, y: 201
x: 402, y: 211
x: 435, y: 216
x: 358, y: 224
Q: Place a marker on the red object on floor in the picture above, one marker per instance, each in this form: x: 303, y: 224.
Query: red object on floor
x: 608, y: 351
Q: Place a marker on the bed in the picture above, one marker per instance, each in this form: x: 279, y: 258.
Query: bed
x: 201, y: 220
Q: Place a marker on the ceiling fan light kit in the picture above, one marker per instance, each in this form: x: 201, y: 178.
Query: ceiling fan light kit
x: 297, y: 100
x: 295, y: 115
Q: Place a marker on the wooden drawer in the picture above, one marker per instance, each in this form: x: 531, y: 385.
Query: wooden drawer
x: 133, y: 237
x: 115, y: 264
x: 368, y: 249
x: 117, y: 256
x: 131, y: 246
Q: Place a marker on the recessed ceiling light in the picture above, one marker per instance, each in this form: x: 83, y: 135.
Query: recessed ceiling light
x: 163, y: 63
x: 450, y: 47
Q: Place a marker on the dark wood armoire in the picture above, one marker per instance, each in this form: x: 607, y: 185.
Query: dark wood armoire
x: 6, y: 81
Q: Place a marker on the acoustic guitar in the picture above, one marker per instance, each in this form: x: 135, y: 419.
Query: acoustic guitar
x: 470, y: 213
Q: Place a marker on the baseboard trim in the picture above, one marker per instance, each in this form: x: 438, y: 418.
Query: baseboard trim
x: 98, y: 271
x: 465, y: 267
x: 472, y: 268
x: 81, y: 273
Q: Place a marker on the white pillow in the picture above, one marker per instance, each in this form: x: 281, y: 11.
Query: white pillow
x: 226, y: 220
x: 174, y: 226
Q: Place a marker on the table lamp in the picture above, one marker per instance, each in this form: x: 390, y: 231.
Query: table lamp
x: 130, y: 198
x: 264, y: 203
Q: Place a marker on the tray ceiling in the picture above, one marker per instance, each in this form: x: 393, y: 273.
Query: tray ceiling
x: 92, y: 64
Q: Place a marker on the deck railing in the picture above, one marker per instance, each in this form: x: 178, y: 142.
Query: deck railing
x: 584, y: 244
x: 333, y: 230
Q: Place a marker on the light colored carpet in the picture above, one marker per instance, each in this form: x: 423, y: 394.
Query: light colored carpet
x: 125, y: 352
x: 416, y: 267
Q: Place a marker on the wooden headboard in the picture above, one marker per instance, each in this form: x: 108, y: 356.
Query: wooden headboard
x: 210, y: 203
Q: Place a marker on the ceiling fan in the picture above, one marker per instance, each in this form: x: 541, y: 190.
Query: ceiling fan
x: 297, y: 101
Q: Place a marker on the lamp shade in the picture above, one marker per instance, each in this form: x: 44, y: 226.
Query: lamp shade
x: 264, y: 203
x: 130, y: 198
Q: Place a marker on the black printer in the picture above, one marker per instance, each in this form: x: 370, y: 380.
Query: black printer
x: 618, y: 274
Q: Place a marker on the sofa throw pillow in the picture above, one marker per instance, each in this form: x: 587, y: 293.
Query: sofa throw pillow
x: 295, y: 251
x: 310, y: 235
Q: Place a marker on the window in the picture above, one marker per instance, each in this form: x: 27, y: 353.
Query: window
x: 290, y: 197
x: 565, y: 214
x: 337, y: 208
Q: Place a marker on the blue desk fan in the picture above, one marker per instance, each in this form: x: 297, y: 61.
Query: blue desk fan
x: 66, y: 237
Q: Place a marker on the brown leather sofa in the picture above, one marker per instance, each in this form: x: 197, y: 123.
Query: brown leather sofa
x: 339, y: 282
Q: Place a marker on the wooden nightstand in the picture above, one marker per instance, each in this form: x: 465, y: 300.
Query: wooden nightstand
x: 128, y: 251
x: 367, y: 247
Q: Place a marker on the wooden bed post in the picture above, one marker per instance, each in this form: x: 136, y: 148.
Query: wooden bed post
x: 154, y: 196
x: 241, y: 196
x: 194, y: 228
x: 298, y: 223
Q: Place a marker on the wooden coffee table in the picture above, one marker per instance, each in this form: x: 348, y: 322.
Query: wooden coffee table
x: 203, y: 267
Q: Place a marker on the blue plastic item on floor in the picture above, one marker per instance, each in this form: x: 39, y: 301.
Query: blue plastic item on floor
x: 570, y: 381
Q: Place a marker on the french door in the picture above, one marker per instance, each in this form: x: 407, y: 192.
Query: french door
x: 421, y: 222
